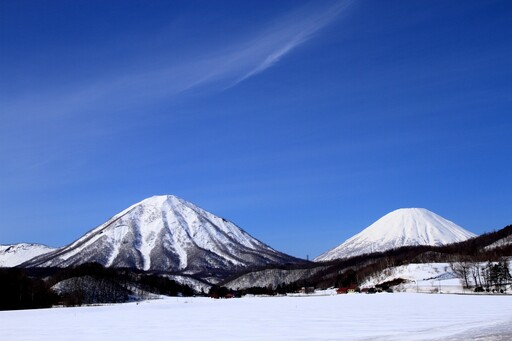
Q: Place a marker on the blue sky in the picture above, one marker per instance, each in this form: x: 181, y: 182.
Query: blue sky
x: 301, y: 121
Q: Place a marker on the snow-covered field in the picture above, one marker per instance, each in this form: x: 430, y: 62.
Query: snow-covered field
x: 401, y: 316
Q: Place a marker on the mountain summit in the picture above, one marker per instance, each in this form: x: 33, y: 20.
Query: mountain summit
x: 402, y: 227
x: 165, y: 233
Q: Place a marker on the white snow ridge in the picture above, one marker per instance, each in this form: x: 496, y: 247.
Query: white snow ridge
x: 165, y: 233
x: 402, y: 227
x: 15, y: 254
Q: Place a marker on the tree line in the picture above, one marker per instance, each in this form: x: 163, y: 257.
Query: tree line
x: 471, y: 258
x: 89, y: 283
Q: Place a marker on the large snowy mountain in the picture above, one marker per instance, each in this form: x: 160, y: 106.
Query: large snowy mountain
x: 165, y: 233
x: 402, y: 227
x: 15, y: 254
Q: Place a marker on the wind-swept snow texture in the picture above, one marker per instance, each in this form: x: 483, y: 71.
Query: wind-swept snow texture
x: 12, y: 255
x: 402, y: 227
x: 166, y: 233
x: 343, y: 317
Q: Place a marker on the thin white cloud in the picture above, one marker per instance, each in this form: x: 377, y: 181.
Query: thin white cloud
x: 213, y: 70
x: 293, y: 32
x: 225, y: 67
x: 87, y: 109
x: 256, y: 55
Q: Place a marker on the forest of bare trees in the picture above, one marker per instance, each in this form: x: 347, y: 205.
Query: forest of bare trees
x: 89, y: 283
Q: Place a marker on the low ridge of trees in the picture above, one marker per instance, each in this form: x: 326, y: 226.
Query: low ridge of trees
x: 19, y: 291
x: 163, y: 286
x: 488, y: 276
x: 473, y: 261
x: 89, y: 283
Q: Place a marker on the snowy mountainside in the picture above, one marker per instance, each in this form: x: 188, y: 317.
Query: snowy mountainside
x: 427, y: 278
x: 402, y: 227
x: 499, y: 243
x: 15, y: 254
x: 166, y: 233
x: 194, y: 283
x: 419, y: 277
x: 271, y: 278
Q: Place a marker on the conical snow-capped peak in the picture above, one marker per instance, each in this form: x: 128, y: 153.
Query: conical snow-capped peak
x: 402, y: 227
x: 165, y: 233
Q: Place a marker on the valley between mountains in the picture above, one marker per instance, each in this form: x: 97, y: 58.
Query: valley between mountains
x: 169, y: 238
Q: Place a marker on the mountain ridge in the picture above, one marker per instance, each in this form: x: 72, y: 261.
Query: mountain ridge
x: 15, y: 254
x: 165, y: 233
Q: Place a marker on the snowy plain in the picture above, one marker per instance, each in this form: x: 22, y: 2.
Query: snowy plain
x: 399, y: 316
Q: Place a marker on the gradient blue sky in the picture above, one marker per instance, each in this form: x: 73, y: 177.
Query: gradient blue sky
x: 301, y: 121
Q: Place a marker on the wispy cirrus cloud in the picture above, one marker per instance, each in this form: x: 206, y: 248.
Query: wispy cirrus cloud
x: 288, y: 35
x: 86, y: 108
x: 223, y: 66
x: 257, y: 54
x: 234, y: 63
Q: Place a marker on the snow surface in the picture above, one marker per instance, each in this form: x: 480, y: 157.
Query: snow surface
x: 402, y: 227
x: 339, y: 317
x: 15, y: 254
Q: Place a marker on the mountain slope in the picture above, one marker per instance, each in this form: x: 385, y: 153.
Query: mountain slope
x: 165, y: 233
x: 402, y: 227
x: 12, y: 255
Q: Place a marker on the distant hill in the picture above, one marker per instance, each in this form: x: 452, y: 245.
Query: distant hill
x: 15, y: 254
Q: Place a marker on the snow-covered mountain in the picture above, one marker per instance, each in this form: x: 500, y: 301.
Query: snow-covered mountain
x: 402, y: 227
x: 166, y: 233
x: 15, y: 254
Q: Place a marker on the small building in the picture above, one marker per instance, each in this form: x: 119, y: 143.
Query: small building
x: 307, y: 290
x: 346, y: 290
x: 342, y: 290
